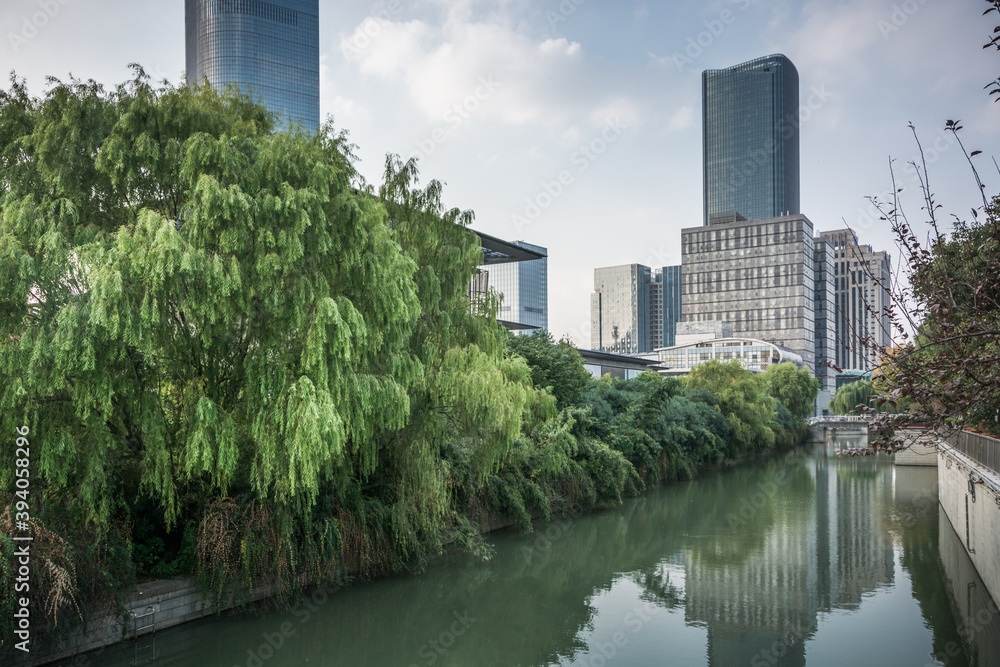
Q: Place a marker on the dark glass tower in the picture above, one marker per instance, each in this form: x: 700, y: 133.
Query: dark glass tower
x: 750, y: 136
x: 268, y: 49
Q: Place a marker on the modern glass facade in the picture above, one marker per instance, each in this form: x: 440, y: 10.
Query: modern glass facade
x: 664, y: 306
x: 634, y: 309
x: 750, y: 137
x: 524, y: 289
x: 619, y: 309
x: 758, y: 276
x: 825, y: 313
x: 269, y: 50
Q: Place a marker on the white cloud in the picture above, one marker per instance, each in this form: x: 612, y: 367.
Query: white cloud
x: 660, y: 61
x: 623, y: 110
x: 385, y: 48
x: 682, y: 119
x: 560, y: 46
x: 571, y: 137
x: 446, y: 65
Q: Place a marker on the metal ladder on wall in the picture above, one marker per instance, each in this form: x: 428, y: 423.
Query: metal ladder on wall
x: 145, y: 652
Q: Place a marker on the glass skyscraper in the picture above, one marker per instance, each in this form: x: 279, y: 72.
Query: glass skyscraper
x: 750, y: 136
x: 269, y: 50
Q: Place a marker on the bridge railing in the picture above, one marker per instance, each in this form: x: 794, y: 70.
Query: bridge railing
x: 838, y: 419
x: 980, y: 448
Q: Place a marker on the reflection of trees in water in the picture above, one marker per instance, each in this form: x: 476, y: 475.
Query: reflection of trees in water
x: 738, y: 511
x: 657, y: 589
x: 534, y: 600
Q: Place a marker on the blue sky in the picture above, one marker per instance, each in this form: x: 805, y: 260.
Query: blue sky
x: 576, y: 124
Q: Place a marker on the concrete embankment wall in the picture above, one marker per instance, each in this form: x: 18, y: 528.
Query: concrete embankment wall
x: 157, y: 605
x: 975, y: 518
x: 921, y: 452
x: 976, y: 616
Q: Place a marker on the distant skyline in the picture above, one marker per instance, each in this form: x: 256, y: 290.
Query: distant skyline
x: 575, y: 124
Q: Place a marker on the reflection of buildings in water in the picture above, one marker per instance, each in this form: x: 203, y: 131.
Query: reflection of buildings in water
x: 860, y: 559
x: 819, y: 554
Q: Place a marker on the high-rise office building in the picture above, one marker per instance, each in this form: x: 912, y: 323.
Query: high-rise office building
x: 825, y: 316
x: 664, y: 306
x: 619, y: 309
x: 524, y: 289
x: 861, y: 313
x: 758, y: 276
x: 269, y: 50
x: 750, y: 139
x: 634, y: 309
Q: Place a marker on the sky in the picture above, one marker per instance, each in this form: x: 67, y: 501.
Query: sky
x: 576, y: 124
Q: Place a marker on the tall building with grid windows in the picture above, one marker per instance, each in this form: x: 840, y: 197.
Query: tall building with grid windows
x: 861, y: 279
x: 664, y: 306
x: 758, y: 276
x: 750, y: 140
x: 269, y: 50
x: 524, y: 290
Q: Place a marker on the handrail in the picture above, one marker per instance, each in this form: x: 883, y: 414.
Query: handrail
x: 982, y: 449
x: 838, y: 419
x: 149, y: 612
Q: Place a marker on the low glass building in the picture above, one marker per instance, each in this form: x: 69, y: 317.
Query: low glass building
x: 755, y: 355
x: 523, y: 288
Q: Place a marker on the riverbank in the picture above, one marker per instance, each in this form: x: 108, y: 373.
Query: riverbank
x: 162, y: 604
x: 839, y: 554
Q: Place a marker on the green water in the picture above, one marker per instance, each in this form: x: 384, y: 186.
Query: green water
x: 799, y: 559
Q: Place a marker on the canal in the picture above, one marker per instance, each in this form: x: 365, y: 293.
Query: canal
x: 798, y: 559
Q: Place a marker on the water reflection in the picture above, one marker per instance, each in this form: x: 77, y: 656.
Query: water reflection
x: 799, y: 559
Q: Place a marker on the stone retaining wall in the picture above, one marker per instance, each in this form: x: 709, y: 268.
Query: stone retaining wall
x: 157, y: 605
x: 975, y: 518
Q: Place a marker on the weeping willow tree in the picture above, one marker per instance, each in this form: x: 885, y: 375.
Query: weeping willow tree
x: 223, y: 328
x: 471, y: 395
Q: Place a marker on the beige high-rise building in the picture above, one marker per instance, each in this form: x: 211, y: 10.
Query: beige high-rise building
x: 863, y: 301
x: 758, y: 276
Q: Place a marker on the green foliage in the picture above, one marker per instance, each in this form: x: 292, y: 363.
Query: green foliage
x: 743, y: 400
x: 850, y: 399
x: 793, y: 387
x: 556, y: 366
